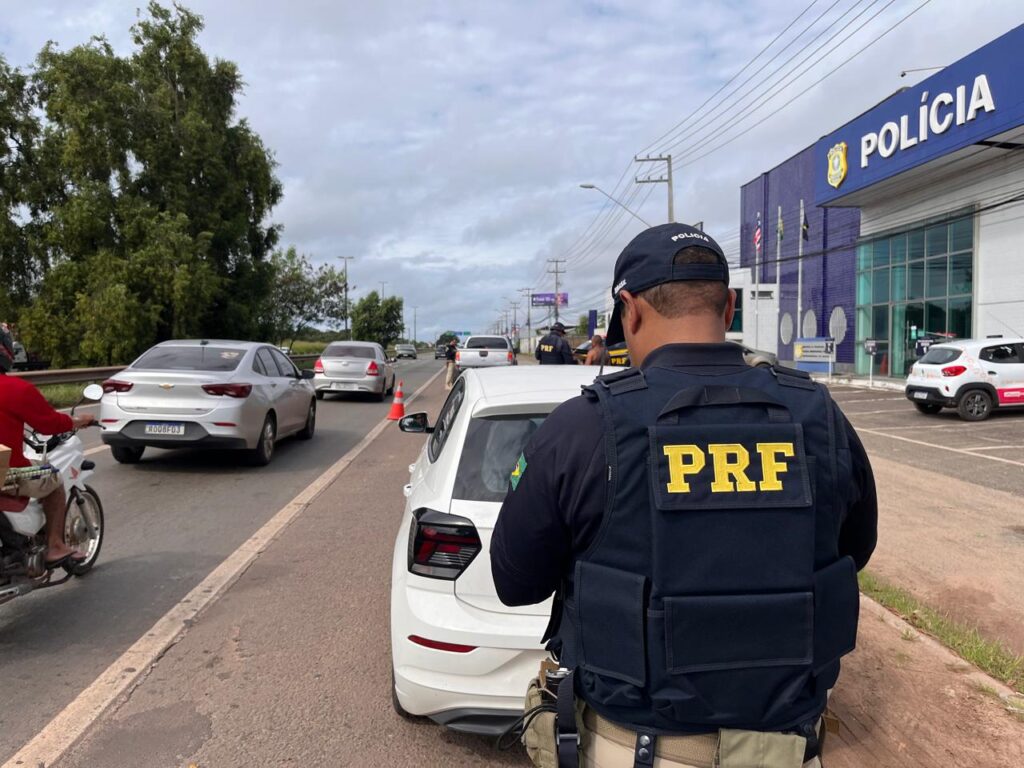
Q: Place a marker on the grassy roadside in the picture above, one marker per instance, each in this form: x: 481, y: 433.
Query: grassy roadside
x: 64, y: 395
x: 990, y: 656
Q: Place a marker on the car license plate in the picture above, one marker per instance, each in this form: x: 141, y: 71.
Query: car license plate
x: 165, y: 428
x: 340, y: 385
x: 921, y: 395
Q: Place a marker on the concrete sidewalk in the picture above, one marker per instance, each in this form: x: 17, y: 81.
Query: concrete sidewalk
x: 292, y: 666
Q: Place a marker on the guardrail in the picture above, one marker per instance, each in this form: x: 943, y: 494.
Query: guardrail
x: 81, y: 375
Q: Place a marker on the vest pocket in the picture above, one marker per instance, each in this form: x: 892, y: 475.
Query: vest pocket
x: 610, y: 630
x: 836, y: 610
x: 732, y: 632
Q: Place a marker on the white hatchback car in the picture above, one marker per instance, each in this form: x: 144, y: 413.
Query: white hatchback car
x: 459, y: 655
x: 975, y: 376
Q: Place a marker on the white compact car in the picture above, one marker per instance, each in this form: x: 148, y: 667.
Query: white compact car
x: 459, y: 655
x: 207, y: 394
x: 975, y: 376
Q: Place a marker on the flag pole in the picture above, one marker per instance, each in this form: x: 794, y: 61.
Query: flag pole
x: 778, y: 276
x: 800, y: 275
x: 757, y: 281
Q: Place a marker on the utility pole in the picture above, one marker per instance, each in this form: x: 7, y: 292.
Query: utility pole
x: 529, y: 301
x: 666, y: 179
x: 515, y: 321
x: 382, y: 284
x: 556, y: 271
x: 347, y: 259
x: 414, y: 325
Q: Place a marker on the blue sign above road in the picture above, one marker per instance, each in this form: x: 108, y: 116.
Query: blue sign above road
x: 977, y: 98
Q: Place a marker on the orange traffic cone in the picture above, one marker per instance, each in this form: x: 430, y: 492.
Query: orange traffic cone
x: 397, y: 405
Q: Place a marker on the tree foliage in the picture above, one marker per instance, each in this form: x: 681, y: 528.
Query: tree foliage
x: 377, y: 320
x: 137, y: 209
x: 303, y: 296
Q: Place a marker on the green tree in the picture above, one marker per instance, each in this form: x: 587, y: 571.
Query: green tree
x: 447, y: 336
x: 376, y: 320
x: 582, y: 325
x: 303, y: 296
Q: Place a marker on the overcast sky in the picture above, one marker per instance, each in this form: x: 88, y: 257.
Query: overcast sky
x: 442, y: 144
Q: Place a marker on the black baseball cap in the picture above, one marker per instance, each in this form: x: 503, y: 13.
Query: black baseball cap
x: 558, y: 327
x: 647, y: 261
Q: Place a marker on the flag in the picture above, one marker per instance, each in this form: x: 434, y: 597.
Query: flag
x: 757, y: 235
x: 805, y: 228
x: 778, y: 227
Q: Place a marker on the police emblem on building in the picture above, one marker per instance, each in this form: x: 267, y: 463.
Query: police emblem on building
x: 837, y: 164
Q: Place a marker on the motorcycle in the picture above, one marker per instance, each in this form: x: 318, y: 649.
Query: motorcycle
x: 23, y: 534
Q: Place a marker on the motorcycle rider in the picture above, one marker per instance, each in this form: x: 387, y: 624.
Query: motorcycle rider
x: 20, y: 404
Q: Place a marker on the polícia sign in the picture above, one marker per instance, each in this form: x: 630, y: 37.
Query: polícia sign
x: 975, y: 99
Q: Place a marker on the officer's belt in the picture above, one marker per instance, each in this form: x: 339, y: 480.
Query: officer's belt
x: 692, y: 749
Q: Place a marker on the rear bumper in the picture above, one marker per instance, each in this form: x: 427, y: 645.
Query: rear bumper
x: 121, y: 440
x: 372, y: 384
x: 930, y: 395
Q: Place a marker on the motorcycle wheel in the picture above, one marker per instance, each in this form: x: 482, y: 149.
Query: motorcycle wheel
x: 76, y: 529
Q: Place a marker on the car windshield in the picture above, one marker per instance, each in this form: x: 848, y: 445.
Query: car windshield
x: 492, y: 447
x: 940, y: 355
x: 487, y: 342
x: 199, y: 358
x: 349, y: 350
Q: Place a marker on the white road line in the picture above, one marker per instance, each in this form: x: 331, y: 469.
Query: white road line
x: 71, y: 723
x: 97, y: 449
x: 869, y: 400
x: 872, y: 413
x: 993, y: 447
x: 938, y: 447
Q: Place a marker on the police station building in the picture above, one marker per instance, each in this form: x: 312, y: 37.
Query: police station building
x: 904, y: 226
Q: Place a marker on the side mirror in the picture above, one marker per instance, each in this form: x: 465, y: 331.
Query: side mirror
x: 307, y: 373
x: 93, y: 392
x: 415, y: 422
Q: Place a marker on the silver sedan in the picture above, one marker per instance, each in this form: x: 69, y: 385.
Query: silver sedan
x: 354, y: 366
x: 207, y: 394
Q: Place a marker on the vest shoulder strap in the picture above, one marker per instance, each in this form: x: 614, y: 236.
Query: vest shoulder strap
x: 620, y: 382
x: 791, y: 377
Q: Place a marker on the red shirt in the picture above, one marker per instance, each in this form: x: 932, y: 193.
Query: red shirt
x: 20, y: 404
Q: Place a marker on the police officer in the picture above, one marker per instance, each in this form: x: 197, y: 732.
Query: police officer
x: 553, y: 349
x: 701, y: 523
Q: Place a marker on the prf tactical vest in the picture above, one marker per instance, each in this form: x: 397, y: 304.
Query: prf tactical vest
x: 713, y: 595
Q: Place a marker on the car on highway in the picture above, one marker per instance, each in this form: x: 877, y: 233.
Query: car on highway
x: 485, y: 352
x: 207, y: 394
x: 405, y: 350
x: 460, y: 656
x: 354, y: 366
x: 975, y: 376
x: 439, y: 351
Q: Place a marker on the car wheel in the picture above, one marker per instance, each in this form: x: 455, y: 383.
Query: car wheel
x: 307, y: 431
x: 264, y: 450
x: 125, y: 454
x: 401, y: 711
x: 975, y: 405
x: 391, y: 389
x: 928, y: 408
x: 319, y: 394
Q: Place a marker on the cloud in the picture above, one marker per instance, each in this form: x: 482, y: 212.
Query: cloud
x: 442, y: 144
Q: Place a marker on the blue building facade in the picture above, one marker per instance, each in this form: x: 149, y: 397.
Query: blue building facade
x: 811, y: 268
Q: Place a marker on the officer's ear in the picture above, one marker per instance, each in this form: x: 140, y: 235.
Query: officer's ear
x: 730, y: 307
x: 632, y: 314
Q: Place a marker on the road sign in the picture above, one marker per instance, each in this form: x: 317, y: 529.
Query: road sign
x: 921, y: 346
x: 871, y: 346
x: 548, y: 299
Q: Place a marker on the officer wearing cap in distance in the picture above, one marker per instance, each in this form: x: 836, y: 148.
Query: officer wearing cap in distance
x: 701, y: 523
x: 553, y: 349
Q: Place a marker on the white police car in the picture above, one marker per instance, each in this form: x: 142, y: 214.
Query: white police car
x: 975, y: 376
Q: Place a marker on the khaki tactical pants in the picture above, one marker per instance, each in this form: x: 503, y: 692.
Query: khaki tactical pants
x: 449, y: 376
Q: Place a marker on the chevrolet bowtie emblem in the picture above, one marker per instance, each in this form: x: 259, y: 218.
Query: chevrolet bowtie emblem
x: 166, y: 386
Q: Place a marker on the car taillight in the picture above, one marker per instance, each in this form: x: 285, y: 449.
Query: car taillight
x: 440, y: 645
x: 441, y: 546
x: 458, y: 357
x: 318, y: 366
x: 113, y: 385
x: 372, y: 369
x: 231, y: 390
x: 953, y: 370
x: 510, y: 355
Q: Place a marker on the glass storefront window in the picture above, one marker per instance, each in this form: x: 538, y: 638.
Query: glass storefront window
x: 911, y: 285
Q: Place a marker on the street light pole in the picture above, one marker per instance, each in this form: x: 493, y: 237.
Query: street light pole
x: 621, y: 205
x: 346, y: 259
x: 529, y: 300
x: 382, y: 284
x: 414, y: 334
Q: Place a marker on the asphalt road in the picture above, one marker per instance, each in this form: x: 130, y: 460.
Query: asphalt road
x: 170, y: 521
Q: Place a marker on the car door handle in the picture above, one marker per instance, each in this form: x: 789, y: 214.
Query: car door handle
x: 992, y: 373
x: 407, y: 490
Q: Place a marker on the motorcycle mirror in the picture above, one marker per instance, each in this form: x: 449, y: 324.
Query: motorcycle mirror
x: 93, y: 392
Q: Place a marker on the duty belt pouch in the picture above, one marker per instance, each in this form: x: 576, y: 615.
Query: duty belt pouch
x: 757, y: 749
x: 539, y: 736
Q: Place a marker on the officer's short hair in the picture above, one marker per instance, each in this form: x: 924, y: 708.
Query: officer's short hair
x: 689, y: 297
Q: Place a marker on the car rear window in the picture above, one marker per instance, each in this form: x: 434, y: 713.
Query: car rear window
x: 492, y: 448
x: 349, y: 350
x: 201, y: 358
x: 487, y: 342
x: 940, y: 355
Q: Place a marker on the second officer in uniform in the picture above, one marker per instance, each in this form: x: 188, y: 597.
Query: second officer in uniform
x: 701, y: 523
x: 553, y: 349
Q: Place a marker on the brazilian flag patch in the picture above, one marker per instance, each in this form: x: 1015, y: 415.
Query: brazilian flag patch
x: 517, y: 473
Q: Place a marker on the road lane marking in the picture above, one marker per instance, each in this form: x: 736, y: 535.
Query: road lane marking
x: 873, y: 413
x: 68, y: 726
x: 993, y: 447
x: 962, y: 451
x: 97, y: 449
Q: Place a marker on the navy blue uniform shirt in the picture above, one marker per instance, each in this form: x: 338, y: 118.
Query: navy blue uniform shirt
x: 556, y: 508
x: 553, y: 349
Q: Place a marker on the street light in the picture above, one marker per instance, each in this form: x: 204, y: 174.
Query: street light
x: 623, y: 207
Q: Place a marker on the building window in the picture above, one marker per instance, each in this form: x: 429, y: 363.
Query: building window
x: 737, y: 319
x: 913, y: 286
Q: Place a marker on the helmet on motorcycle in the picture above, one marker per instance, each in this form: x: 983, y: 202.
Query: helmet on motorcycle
x: 6, y: 351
